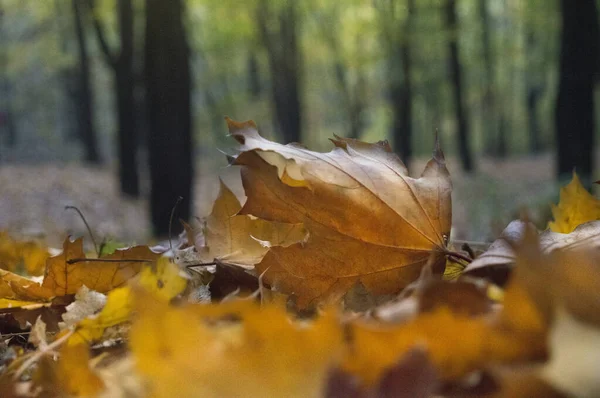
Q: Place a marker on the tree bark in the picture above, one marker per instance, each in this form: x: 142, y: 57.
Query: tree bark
x: 124, y: 80
x: 284, y: 64
x: 575, y: 103
x: 168, y: 89
x: 85, y: 108
x: 456, y: 76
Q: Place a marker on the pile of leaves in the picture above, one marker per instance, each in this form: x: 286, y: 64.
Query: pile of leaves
x: 337, y: 277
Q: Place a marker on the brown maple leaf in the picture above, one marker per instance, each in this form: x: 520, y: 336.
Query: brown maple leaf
x: 367, y: 220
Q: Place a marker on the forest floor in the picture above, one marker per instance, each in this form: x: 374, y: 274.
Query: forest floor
x: 33, y: 198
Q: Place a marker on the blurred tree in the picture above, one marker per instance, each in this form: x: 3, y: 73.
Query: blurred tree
x: 122, y: 66
x: 575, y: 102
x: 7, y: 124
x: 254, y: 84
x: 121, y: 63
x: 456, y: 76
x: 350, y: 82
x: 168, y: 91
x: 402, y: 96
x: 278, y: 30
x: 85, y: 109
x: 488, y: 108
x: 397, y: 41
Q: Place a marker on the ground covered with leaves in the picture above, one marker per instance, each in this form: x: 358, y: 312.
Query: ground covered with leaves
x: 337, y: 276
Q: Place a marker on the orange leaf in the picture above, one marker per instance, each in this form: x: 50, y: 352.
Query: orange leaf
x: 65, y: 277
x: 368, y: 221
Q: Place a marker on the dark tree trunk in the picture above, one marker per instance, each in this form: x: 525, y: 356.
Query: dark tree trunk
x: 124, y: 80
x: 254, y: 86
x: 535, y: 89
x: 168, y: 86
x: 575, y: 102
x: 85, y: 108
x: 402, y: 95
x: 352, y: 97
x: 488, y: 111
x: 284, y: 64
x: 456, y: 76
x: 533, y: 125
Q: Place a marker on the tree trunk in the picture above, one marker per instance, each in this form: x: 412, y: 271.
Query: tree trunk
x: 284, y: 63
x: 488, y: 111
x: 124, y: 80
x: 456, y: 75
x: 575, y: 102
x: 85, y: 108
x: 402, y: 98
x: 168, y: 87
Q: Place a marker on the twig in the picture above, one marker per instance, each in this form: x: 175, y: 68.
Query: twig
x: 49, y: 349
x: 106, y: 260
x: 87, y: 226
x: 179, y: 199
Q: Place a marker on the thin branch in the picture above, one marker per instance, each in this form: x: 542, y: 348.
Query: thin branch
x: 87, y: 226
x: 111, y: 59
x: 106, y: 260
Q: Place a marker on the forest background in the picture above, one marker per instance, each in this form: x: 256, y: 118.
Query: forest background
x: 116, y: 106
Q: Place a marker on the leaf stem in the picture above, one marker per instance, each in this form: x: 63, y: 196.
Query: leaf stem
x: 459, y: 256
x: 107, y: 260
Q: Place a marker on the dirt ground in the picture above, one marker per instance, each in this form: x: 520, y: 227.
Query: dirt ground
x: 33, y: 198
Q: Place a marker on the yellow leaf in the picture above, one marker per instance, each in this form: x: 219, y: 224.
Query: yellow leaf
x: 14, y: 286
x: 14, y: 253
x: 234, y: 349
x: 368, y: 221
x: 164, y: 283
x: 74, y: 374
x: 70, y: 270
x: 576, y: 206
x: 116, y: 311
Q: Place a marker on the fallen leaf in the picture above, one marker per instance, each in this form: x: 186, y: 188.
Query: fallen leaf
x: 74, y: 375
x: 162, y: 281
x: 576, y: 206
x: 367, y: 220
x: 232, y: 349
x: 63, y: 276
x: 497, y: 262
x: 240, y: 239
x: 17, y: 256
x: 87, y: 302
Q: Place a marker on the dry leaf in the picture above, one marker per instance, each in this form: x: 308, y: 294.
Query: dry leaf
x: 74, y: 375
x: 63, y: 277
x: 368, y: 221
x: 233, y: 349
x: 240, y: 239
x: 29, y: 255
x: 576, y: 206
x: 163, y: 282
x: 497, y: 262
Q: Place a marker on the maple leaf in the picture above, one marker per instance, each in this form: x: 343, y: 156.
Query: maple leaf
x: 368, y: 221
x: 576, y: 206
x: 70, y: 270
x: 240, y: 239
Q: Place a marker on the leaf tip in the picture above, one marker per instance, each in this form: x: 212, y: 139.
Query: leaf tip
x: 438, y: 154
x: 238, y: 129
